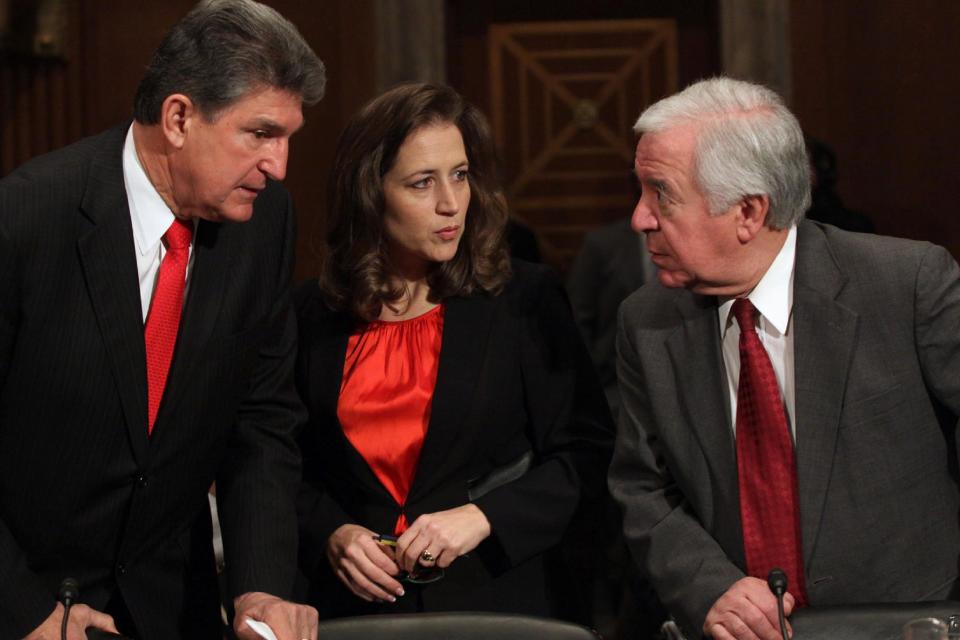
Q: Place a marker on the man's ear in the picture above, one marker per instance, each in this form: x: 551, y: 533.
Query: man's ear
x: 751, y: 216
x: 175, y: 115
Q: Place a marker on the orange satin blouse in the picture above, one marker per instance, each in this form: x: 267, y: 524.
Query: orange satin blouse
x: 389, y: 376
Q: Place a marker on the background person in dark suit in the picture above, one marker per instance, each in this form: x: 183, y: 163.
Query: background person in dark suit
x: 860, y: 336
x: 451, y: 400
x: 612, y: 264
x: 104, y: 470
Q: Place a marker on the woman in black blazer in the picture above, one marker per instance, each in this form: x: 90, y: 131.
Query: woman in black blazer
x: 452, y: 403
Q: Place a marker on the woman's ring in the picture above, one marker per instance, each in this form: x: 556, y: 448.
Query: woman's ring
x: 426, y: 556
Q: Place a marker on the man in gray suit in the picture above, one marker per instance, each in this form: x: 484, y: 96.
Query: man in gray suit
x: 861, y: 337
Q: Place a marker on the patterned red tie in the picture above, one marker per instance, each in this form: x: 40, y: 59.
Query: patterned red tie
x: 163, y: 320
x: 766, y: 466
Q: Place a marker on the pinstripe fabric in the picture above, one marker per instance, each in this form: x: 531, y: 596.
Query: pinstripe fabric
x: 83, y: 492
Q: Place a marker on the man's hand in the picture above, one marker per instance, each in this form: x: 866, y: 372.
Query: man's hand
x: 747, y: 611
x: 81, y: 617
x: 289, y: 621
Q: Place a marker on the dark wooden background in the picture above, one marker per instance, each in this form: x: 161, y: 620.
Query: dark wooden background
x: 875, y: 79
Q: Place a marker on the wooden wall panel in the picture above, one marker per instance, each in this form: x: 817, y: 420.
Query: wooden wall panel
x: 41, y: 100
x: 877, y: 81
x: 469, y: 26
x: 564, y: 96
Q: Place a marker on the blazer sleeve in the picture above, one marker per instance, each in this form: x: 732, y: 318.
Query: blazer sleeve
x: 257, y: 483
x: 25, y: 602
x: 937, y: 309
x: 569, y: 426
x: 686, y: 564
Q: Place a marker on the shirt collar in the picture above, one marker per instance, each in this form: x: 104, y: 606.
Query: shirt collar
x: 773, y: 295
x: 149, y: 214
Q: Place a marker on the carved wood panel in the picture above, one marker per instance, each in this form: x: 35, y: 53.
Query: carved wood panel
x: 564, y: 97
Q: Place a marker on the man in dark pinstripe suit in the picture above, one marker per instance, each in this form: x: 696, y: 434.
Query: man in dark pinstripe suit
x: 84, y: 490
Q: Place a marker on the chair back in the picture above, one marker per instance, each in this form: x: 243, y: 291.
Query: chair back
x: 452, y: 626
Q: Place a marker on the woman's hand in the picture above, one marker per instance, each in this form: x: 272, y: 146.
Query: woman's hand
x: 363, y: 564
x: 446, y: 535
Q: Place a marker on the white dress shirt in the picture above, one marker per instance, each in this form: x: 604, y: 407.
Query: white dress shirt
x: 150, y: 217
x: 773, y: 298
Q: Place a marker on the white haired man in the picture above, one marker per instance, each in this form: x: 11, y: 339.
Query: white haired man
x: 789, y: 391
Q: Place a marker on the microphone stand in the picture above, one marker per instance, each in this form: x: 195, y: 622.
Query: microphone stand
x: 68, y: 594
x: 777, y: 581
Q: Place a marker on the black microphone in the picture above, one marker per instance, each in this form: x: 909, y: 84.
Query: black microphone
x: 68, y: 594
x: 777, y: 581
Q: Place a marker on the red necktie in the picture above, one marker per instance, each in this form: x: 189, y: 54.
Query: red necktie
x: 766, y: 466
x: 163, y: 320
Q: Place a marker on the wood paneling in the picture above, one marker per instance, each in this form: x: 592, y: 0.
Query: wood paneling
x: 877, y: 81
x: 564, y: 96
x: 469, y: 25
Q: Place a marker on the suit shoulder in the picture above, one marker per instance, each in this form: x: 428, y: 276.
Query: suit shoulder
x: 651, y: 300
x: 60, y: 165
x: 529, y: 281
x: 530, y: 274
x: 314, y: 313
x: 873, y: 258
x: 48, y: 190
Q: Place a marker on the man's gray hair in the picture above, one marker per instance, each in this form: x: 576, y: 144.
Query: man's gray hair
x: 222, y: 50
x: 748, y: 144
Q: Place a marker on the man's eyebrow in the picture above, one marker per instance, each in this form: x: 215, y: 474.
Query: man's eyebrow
x: 271, y: 126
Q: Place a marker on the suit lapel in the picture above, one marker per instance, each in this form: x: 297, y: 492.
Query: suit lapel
x: 824, y: 334
x: 109, y: 266
x: 466, y: 331
x: 327, y: 354
x: 697, y: 361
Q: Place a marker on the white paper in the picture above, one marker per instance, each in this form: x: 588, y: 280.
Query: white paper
x: 262, y: 629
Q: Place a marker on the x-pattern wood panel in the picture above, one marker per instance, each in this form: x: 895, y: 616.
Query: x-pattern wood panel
x: 564, y: 96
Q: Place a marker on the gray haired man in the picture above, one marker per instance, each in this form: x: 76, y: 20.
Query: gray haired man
x: 146, y: 348
x: 790, y: 391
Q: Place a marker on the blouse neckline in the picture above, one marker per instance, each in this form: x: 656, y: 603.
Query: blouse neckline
x: 423, y: 316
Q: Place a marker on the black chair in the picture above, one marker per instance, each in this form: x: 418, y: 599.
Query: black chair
x: 452, y: 626
x: 865, y: 622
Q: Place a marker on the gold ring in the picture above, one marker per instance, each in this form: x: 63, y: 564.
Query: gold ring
x: 426, y: 556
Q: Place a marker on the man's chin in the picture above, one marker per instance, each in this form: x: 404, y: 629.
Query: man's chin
x: 674, y: 279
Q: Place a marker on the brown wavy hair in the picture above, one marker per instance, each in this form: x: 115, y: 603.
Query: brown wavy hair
x: 356, y: 272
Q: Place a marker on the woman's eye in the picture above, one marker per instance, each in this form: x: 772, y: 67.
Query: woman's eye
x: 422, y: 184
x: 461, y: 174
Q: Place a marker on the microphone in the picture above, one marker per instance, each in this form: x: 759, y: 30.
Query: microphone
x: 777, y: 581
x: 68, y: 594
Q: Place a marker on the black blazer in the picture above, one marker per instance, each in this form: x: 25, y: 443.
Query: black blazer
x: 83, y: 491
x: 514, y: 377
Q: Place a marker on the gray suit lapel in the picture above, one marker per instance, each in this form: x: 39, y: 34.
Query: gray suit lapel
x: 697, y: 361
x: 824, y: 334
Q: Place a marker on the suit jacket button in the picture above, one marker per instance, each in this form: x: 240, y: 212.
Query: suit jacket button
x: 142, y: 481
x: 121, y: 567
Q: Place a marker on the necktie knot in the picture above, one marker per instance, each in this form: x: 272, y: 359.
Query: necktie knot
x: 178, y: 235
x: 745, y: 313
